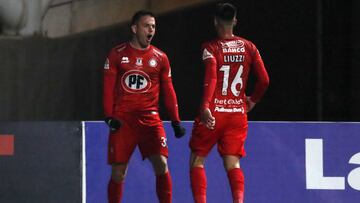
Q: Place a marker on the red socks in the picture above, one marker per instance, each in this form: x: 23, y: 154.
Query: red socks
x: 198, y: 184
x: 164, y: 187
x: 236, y: 180
x: 115, y: 191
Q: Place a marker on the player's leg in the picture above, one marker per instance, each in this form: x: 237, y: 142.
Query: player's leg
x: 121, y: 146
x: 201, y: 142
x: 235, y: 176
x: 163, y: 178
x: 231, y: 148
x: 198, y: 178
x: 153, y: 146
x: 116, y: 183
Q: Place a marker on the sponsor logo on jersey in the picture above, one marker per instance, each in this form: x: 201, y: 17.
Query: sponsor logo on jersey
x: 136, y: 81
x: 139, y: 62
x: 229, y: 110
x: 206, y: 54
x: 107, y: 66
x: 236, y: 46
x: 152, y: 63
x: 228, y: 101
x: 125, y: 59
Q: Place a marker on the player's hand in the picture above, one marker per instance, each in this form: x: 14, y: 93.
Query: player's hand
x: 207, y: 119
x: 113, y: 124
x: 249, y: 104
x: 179, y: 131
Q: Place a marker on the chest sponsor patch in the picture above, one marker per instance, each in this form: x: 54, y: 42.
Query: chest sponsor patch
x: 125, y: 59
x: 136, y: 81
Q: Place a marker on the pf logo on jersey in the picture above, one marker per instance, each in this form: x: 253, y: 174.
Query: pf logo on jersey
x: 135, y: 81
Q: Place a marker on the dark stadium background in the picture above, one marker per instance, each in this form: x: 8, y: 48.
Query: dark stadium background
x: 311, y: 53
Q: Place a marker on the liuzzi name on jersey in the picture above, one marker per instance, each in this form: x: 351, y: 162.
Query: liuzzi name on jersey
x: 234, y: 58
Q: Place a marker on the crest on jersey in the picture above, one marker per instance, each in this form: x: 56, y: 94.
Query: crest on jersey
x: 152, y: 63
x: 139, y: 62
x: 207, y: 54
x: 136, y: 81
x: 107, y: 66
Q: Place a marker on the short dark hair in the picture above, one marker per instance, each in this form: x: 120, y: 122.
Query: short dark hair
x: 136, y: 17
x: 225, y: 11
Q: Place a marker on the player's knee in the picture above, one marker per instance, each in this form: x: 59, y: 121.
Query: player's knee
x: 118, y: 172
x: 197, y: 161
x: 160, y: 167
x: 229, y: 166
x: 159, y: 164
x: 118, y: 176
x: 231, y: 162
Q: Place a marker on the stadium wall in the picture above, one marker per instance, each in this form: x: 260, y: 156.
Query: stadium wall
x: 40, y: 162
x: 286, y: 162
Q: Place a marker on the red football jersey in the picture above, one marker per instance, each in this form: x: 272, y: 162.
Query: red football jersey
x: 133, y: 79
x: 227, y: 66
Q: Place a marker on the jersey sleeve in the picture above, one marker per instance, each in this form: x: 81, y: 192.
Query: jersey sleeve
x: 168, y: 92
x: 109, y: 81
x: 261, y: 74
x: 210, y: 75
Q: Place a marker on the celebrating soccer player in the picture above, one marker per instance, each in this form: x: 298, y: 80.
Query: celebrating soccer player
x: 223, y: 114
x: 134, y: 75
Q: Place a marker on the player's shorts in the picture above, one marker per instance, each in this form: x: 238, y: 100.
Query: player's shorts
x: 143, y: 129
x: 229, y: 134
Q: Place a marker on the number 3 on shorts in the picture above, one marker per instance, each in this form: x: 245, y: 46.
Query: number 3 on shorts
x: 163, y: 141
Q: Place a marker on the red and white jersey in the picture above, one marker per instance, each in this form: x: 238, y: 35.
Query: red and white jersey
x: 133, y: 79
x: 227, y: 66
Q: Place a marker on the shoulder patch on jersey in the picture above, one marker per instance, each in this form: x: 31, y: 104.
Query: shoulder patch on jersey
x: 206, y: 54
x: 107, y: 66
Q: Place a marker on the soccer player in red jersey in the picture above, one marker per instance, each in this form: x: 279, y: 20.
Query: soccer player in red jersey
x: 223, y: 114
x: 134, y: 75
